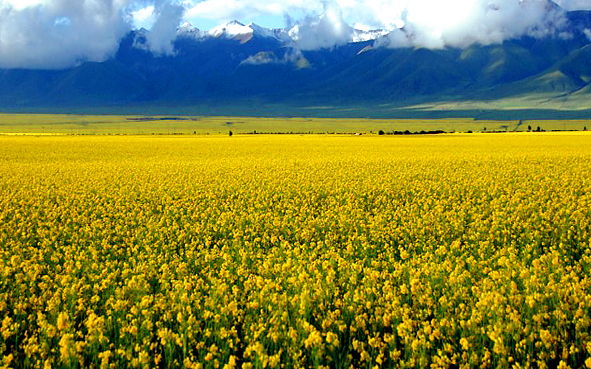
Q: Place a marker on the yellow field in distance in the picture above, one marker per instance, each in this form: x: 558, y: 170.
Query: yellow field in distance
x: 44, y: 124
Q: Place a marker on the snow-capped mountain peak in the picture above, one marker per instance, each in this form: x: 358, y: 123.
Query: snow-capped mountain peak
x: 188, y: 30
x: 278, y: 34
x: 230, y: 30
x: 235, y: 30
x: 261, y: 31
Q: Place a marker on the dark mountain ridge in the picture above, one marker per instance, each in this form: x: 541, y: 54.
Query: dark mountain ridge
x: 261, y: 67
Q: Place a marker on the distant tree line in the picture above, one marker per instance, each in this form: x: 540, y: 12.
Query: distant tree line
x: 407, y: 132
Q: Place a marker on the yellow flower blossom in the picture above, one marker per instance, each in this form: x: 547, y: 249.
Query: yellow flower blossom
x: 464, y: 343
x: 295, y: 251
x: 63, y: 321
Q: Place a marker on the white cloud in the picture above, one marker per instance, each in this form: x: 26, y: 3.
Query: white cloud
x: 325, y: 31
x: 460, y: 23
x: 225, y: 10
x: 144, y: 17
x: 55, y: 34
x: 20, y: 4
x: 575, y: 4
x: 59, y: 34
x: 163, y: 32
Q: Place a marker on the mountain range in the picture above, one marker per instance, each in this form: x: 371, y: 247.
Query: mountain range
x: 248, y: 69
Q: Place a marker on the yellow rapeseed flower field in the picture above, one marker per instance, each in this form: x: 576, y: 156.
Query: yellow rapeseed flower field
x: 452, y: 251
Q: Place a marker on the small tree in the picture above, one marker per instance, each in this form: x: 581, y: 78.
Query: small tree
x: 381, y: 133
x: 230, y: 134
x: 528, y: 128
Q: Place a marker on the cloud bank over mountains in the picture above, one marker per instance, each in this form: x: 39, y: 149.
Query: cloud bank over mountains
x: 60, y: 33
x: 464, y: 23
x: 54, y: 34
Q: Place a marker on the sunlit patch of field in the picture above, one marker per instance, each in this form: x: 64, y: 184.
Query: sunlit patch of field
x: 288, y: 251
x: 43, y: 124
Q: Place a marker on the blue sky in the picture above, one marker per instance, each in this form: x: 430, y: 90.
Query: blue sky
x: 145, y: 17
x: 269, y: 21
